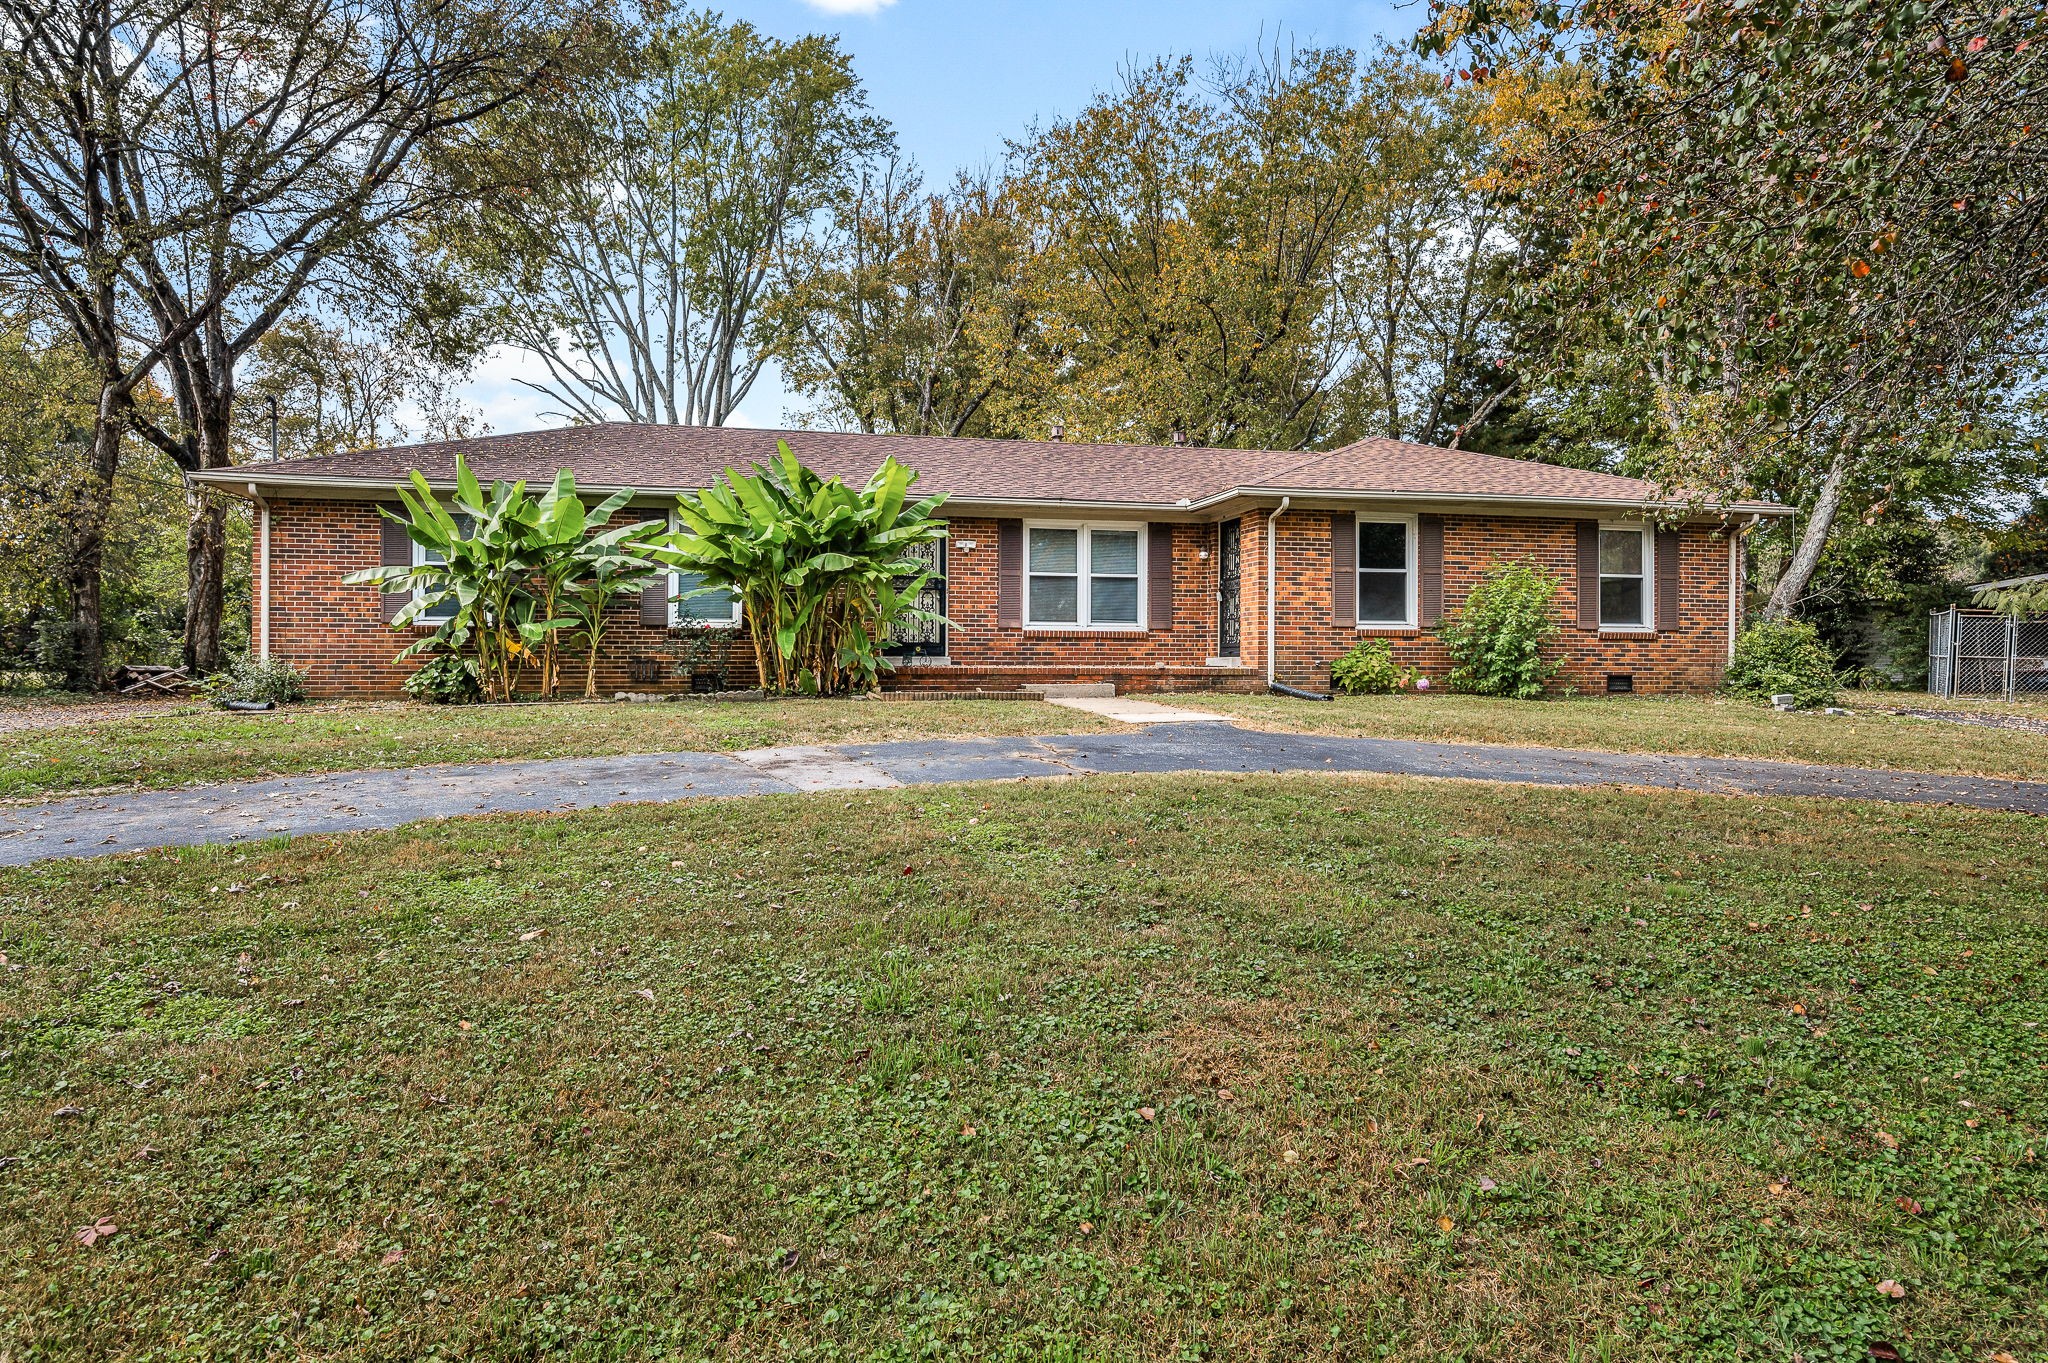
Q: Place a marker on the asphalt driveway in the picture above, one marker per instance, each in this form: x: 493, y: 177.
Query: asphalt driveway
x: 351, y: 801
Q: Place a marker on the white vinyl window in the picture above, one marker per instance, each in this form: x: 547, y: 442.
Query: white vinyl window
x: 443, y: 611
x: 1624, y: 577
x: 712, y: 610
x: 709, y: 611
x: 1084, y: 576
x: 1386, y: 572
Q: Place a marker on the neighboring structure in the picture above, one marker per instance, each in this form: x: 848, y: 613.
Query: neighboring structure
x: 1153, y: 567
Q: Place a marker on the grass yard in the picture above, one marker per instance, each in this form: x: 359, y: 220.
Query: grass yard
x: 1148, y: 1068
x: 1709, y: 726
x: 204, y: 745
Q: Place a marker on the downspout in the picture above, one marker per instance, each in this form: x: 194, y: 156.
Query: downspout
x: 1271, y: 558
x: 262, y: 575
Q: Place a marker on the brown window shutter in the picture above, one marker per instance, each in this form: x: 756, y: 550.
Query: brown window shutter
x: 654, y: 600
x: 1667, y: 581
x: 1159, y: 575
x: 1010, y: 574
x: 1429, y: 567
x: 395, y: 551
x: 1344, y: 569
x: 1589, y: 574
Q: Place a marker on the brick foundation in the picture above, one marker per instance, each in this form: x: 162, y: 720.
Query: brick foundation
x: 337, y: 633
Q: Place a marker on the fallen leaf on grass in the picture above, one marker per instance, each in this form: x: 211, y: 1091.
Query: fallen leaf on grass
x: 531, y: 933
x: 969, y: 1132
x: 729, y: 1241
x: 1446, y: 1225
x: 1147, y: 1113
x: 1892, y: 1289
x: 1887, y: 1140
x: 391, y: 1256
x: 96, y: 1232
x: 1487, y: 1185
x: 647, y: 994
x: 1910, y: 1207
x: 1885, y: 1353
x: 69, y: 1111
x: 1289, y: 1156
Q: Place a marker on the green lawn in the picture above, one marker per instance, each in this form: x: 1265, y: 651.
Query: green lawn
x: 203, y: 745
x: 1147, y: 1068
x: 1711, y: 726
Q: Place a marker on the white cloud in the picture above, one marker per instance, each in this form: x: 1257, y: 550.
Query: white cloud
x: 869, y: 8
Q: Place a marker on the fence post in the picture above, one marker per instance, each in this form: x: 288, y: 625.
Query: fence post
x: 1955, y: 647
x: 2012, y: 656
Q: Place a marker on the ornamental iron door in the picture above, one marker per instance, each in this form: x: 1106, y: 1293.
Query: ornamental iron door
x: 924, y: 638
x: 1229, y: 558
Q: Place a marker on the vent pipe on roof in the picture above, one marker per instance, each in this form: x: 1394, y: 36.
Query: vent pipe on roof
x: 1059, y: 429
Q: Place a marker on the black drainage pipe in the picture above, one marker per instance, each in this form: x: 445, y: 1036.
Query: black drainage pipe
x: 1282, y: 689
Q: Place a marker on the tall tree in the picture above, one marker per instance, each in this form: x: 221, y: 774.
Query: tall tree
x: 237, y: 150
x: 79, y: 87
x: 334, y: 384
x: 1818, y: 220
x: 1422, y: 286
x: 905, y: 312
x: 640, y: 273
x: 1190, y: 236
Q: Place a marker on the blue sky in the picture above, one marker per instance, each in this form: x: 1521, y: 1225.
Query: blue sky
x: 958, y: 77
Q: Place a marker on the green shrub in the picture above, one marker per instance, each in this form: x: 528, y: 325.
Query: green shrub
x: 446, y: 679
x: 1782, y: 657
x: 1369, y: 669
x: 255, y: 682
x: 1497, y: 638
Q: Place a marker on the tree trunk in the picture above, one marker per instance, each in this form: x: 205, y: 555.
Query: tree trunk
x: 85, y: 551
x: 206, y: 538
x: 1820, y: 520
x: 206, y: 558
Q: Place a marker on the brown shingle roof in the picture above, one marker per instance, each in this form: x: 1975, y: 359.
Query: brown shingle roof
x: 683, y: 458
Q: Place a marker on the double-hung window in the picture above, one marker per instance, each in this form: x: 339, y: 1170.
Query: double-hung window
x: 1624, y: 577
x: 707, y: 610
x: 1386, y: 573
x: 1084, y: 576
x: 441, y: 611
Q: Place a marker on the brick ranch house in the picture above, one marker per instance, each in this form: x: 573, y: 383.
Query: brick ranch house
x: 1156, y: 568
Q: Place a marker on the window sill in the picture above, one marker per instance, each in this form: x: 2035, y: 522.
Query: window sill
x: 1627, y: 632
x: 1390, y: 630
x: 1084, y: 629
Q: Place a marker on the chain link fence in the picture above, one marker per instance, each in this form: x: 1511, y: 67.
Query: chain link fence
x: 1985, y: 653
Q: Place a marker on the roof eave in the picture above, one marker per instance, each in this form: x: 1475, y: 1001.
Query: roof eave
x: 248, y: 479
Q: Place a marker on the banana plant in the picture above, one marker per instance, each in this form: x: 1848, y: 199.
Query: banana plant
x: 822, y: 570
x: 511, y: 565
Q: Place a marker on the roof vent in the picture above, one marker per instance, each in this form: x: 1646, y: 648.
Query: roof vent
x: 1180, y: 437
x: 1059, y: 429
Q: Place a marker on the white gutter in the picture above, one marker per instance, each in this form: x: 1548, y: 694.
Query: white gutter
x: 376, y: 487
x: 1271, y: 559
x: 262, y: 575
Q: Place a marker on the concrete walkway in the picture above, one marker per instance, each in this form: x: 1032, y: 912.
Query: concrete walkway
x: 386, y: 799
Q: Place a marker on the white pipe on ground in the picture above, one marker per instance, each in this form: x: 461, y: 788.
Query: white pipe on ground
x: 1271, y: 558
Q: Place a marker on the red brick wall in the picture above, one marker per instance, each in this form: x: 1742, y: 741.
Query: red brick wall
x: 338, y: 634
x: 1688, y: 658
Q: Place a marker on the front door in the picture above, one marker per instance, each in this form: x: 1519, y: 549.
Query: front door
x: 924, y: 638
x: 1228, y: 561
